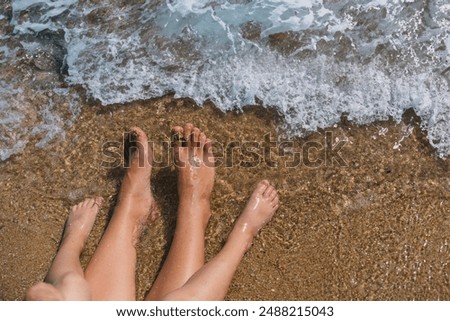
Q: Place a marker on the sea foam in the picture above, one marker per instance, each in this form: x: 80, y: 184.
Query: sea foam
x: 312, y: 61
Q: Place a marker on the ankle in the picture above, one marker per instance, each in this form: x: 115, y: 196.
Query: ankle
x: 194, y: 212
x: 242, y: 234
x: 194, y: 202
x: 245, y: 227
x: 72, y: 244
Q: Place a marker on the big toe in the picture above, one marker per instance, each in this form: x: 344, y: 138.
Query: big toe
x: 261, y: 187
x: 140, y: 135
x: 138, y: 140
x: 187, y: 131
x: 177, y: 135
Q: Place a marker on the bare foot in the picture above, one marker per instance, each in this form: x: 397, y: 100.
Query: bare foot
x: 259, y: 210
x: 135, y: 188
x: 195, y: 163
x: 80, y: 221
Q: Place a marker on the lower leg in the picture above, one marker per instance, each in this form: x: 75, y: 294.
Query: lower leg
x: 111, y: 271
x: 211, y: 282
x: 195, y: 182
x: 186, y: 255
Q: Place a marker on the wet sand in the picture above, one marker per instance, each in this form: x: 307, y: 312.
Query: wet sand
x: 376, y: 227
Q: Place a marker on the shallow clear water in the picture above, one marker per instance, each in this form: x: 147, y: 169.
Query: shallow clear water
x: 312, y: 60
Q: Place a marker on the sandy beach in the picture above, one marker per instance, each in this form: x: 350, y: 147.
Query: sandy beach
x: 370, y: 220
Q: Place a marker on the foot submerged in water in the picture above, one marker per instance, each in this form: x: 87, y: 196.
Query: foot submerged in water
x: 259, y: 210
x: 195, y: 164
x: 135, y: 188
x: 81, y: 219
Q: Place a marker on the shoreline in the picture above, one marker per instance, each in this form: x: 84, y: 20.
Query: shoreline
x: 377, y: 228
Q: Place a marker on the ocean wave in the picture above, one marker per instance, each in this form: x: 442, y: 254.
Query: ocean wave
x: 312, y: 60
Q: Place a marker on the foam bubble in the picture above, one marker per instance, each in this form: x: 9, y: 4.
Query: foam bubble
x: 370, y: 59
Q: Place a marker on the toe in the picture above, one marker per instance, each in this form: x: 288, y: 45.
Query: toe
x: 98, y: 202
x: 275, y: 202
x: 268, y: 191
x: 136, y: 130
x: 177, y: 135
x: 177, y: 130
x: 202, y: 139
x: 188, y: 131
x: 261, y: 187
x: 195, y: 137
x: 137, y: 139
x: 89, y: 202
x: 273, y: 194
x: 139, y: 133
x: 208, y: 156
x: 209, y: 147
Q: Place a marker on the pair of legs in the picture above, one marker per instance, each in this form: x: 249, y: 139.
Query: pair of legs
x: 110, y: 274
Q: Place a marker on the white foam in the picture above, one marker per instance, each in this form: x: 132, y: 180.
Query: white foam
x: 305, y: 92
x: 54, y: 8
x: 7, y: 54
x: 21, y: 5
x: 196, y: 48
x: 17, y: 113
